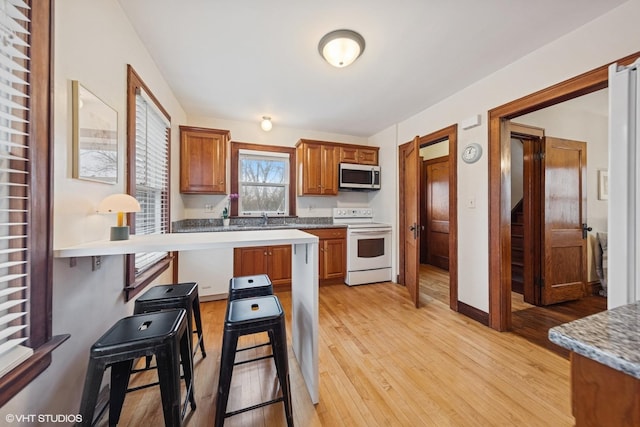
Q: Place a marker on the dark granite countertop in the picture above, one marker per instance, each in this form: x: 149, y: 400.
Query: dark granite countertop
x: 611, y: 337
x: 238, y: 224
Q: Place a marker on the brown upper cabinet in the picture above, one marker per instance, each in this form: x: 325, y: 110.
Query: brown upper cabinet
x: 317, y: 163
x: 360, y: 155
x: 203, y: 160
x: 317, y: 168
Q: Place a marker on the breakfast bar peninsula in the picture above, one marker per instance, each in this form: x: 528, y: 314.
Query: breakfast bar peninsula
x: 304, y: 279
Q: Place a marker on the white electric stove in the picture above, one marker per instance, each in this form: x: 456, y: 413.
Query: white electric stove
x: 368, y: 246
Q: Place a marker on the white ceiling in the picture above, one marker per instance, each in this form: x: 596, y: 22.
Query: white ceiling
x: 242, y: 59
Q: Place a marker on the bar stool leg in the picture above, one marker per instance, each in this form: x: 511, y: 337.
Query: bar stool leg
x: 120, y: 373
x: 279, y: 349
x: 92, y: 382
x: 169, y: 376
x: 187, y: 369
x: 229, y: 345
x: 198, y: 319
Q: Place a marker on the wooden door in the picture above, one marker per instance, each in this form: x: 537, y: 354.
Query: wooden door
x: 437, y: 212
x: 203, y: 160
x: 368, y: 156
x: 250, y: 261
x: 279, y: 264
x: 409, y: 160
x: 564, y: 248
x: 333, y: 253
x: 310, y: 168
x: 329, y: 169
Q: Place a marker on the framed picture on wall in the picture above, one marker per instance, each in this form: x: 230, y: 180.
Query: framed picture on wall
x: 95, y: 137
x: 603, y: 184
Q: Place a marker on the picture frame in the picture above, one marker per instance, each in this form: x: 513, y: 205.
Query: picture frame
x: 95, y: 137
x: 603, y: 184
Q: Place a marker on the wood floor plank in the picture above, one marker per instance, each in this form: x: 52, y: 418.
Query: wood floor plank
x: 384, y: 363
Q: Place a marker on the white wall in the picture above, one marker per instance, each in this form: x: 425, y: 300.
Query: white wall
x: 605, y: 39
x: 93, y: 44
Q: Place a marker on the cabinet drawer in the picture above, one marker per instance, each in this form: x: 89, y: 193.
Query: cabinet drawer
x: 328, y: 233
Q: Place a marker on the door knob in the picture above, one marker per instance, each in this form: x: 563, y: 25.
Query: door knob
x: 585, y: 230
x: 414, y: 228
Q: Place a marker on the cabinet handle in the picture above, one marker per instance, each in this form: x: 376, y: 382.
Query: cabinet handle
x: 265, y: 253
x: 221, y: 182
x: 270, y: 253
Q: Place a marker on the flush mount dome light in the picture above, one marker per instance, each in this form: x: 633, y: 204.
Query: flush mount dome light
x: 341, y: 47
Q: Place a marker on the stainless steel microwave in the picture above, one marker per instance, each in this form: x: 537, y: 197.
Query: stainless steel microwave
x: 358, y: 177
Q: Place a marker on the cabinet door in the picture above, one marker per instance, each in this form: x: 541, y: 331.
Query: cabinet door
x: 310, y: 169
x: 348, y: 154
x: 367, y: 156
x: 203, y: 161
x: 250, y: 261
x: 334, y: 254
x: 279, y: 264
x: 329, y: 168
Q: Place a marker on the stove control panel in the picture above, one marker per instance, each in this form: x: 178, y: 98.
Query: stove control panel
x: 346, y: 213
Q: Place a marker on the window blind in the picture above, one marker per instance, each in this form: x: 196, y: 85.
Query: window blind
x: 152, y: 180
x: 14, y: 183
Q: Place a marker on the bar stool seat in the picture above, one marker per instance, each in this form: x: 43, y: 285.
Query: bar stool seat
x: 163, y: 335
x: 250, y: 286
x: 248, y: 316
x: 180, y: 295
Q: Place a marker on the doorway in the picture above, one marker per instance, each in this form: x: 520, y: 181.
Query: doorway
x: 412, y: 230
x: 500, y: 176
x: 434, y: 221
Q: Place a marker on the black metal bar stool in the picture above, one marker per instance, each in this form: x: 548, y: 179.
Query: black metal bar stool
x: 257, y: 285
x: 162, y: 334
x: 248, y: 316
x: 250, y: 286
x: 181, y: 295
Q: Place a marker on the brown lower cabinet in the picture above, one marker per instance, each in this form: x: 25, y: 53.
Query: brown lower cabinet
x: 275, y: 261
x: 332, y: 249
x: 603, y: 396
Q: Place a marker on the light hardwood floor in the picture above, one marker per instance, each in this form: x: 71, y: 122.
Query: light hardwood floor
x: 385, y: 363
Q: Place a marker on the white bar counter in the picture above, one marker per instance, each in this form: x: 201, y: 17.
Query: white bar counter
x: 304, y: 276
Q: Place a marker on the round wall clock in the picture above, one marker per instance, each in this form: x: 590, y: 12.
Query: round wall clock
x: 472, y: 153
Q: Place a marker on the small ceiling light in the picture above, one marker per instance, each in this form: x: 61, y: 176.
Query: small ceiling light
x: 341, y: 47
x: 266, y: 124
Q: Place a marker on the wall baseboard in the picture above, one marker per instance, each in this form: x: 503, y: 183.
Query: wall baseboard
x: 474, y: 313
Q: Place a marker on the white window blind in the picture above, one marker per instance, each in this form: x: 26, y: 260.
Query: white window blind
x: 263, y: 182
x: 14, y: 183
x: 152, y: 180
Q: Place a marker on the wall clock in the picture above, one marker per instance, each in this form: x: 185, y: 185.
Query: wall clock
x: 472, y: 153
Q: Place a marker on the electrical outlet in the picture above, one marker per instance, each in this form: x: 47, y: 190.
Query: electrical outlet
x: 208, y: 208
x: 96, y: 263
x: 471, y: 203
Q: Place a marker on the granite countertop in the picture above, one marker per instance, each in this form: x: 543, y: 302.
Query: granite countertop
x: 611, y: 337
x: 250, y: 224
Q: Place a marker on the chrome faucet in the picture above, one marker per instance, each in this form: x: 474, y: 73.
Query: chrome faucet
x: 265, y: 218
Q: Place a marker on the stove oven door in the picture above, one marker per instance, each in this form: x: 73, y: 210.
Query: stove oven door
x: 368, y: 249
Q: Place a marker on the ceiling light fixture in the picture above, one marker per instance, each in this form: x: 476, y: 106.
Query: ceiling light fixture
x: 266, y: 124
x: 341, y: 47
